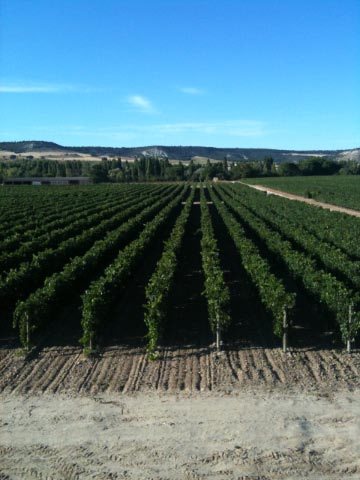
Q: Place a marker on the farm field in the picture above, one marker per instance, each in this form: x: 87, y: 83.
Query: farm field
x: 113, y: 300
x: 166, y: 264
x: 337, y: 190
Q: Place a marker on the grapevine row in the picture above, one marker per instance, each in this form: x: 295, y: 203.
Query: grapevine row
x: 29, y: 275
x: 160, y: 284
x: 42, y: 210
x: 33, y: 312
x: 54, y: 239
x: 48, y: 231
x: 331, y: 257
x: 331, y: 227
x: 319, y: 283
x: 102, y: 293
x: 271, y: 289
x: 33, y: 227
x: 216, y: 291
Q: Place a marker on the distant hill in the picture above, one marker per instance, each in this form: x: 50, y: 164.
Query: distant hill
x: 184, y: 153
x: 30, y: 146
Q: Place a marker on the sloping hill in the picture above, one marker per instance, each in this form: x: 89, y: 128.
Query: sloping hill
x: 182, y: 152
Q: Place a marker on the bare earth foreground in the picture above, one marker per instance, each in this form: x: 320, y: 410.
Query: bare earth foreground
x: 248, y: 413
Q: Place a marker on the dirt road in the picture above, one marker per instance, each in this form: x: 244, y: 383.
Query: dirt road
x: 257, y: 435
x: 248, y: 413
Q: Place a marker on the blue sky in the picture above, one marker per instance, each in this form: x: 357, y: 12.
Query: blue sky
x: 245, y: 73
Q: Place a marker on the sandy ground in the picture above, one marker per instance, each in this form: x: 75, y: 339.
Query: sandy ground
x: 299, y: 198
x: 251, y: 435
x: 248, y: 413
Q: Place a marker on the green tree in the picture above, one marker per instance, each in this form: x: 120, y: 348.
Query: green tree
x: 99, y: 173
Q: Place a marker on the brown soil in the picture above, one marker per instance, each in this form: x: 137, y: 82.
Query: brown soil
x: 246, y: 414
x: 189, y: 369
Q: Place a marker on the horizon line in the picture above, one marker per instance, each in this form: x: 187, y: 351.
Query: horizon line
x: 182, y: 146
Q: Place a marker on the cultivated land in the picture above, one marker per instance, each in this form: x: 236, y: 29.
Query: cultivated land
x: 338, y: 190
x: 310, y: 201
x: 83, y: 262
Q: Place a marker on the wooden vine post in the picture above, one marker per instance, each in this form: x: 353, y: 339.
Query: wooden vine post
x: 27, y: 332
x: 218, y: 333
x: 285, y: 331
x: 350, y: 319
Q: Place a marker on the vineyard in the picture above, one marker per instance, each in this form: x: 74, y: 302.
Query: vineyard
x: 343, y: 191
x: 175, y: 264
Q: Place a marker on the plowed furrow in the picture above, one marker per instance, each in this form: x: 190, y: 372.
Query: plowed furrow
x: 87, y: 371
x: 4, y: 361
x: 195, y: 385
x: 298, y: 367
x: 236, y: 362
x: 59, y: 383
x: 349, y: 363
x: 134, y: 373
x: 333, y: 368
x: 181, y: 371
x: 173, y: 368
x: 11, y: 368
x: 30, y: 372
x: 261, y: 373
x: 314, y: 361
x: 55, y: 367
x: 160, y: 370
x: 274, y: 366
x: 92, y: 376
x: 167, y: 370
x: 204, y: 372
x: 189, y: 371
x: 120, y: 375
x: 151, y: 377
x: 246, y: 364
x: 140, y: 372
x: 99, y: 381
x: 234, y: 367
x: 212, y: 370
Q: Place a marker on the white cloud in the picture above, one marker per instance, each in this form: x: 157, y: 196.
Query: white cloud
x: 25, y: 89
x: 191, y: 133
x: 192, y: 90
x: 44, y: 88
x: 141, y: 104
x: 234, y: 128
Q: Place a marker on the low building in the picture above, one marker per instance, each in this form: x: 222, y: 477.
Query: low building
x: 47, y: 181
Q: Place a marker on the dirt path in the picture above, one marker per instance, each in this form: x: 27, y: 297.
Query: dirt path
x: 251, y: 435
x: 299, y: 198
x: 247, y: 413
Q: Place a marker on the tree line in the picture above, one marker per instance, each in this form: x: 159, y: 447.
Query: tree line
x: 147, y: 168
x: 31, y: 167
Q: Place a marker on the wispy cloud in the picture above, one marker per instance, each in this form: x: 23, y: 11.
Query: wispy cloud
x: 192, y: 90
x: 228, y: 128
x: 235, y: 128
x: 44, y: 88
x: 141, y: 104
